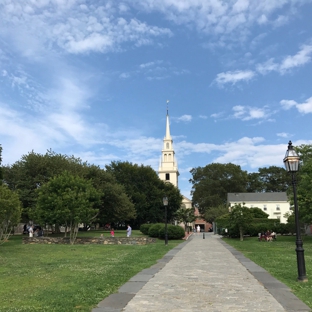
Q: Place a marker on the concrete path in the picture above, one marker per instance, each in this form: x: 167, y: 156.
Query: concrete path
x: 203, y: 275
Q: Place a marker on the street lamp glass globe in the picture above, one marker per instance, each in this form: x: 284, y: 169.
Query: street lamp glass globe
x: 291, y: 159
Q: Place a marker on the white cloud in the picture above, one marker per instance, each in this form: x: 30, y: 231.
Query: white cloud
x: 203, y: 117
x: 304, y: 108
x: 234, y: 76
x: 283, y: 135
x: 124, y: 75
x: 39, y: 26
x: 248, y: 113
x: 227, y: 20
x: 302, y: 57
x: 183, y: 118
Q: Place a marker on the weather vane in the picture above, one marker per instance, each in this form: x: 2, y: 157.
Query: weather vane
x: 167, y: 106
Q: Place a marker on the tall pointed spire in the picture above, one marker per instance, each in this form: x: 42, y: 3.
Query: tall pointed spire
x: 168, y: 168
x: 168, y: 136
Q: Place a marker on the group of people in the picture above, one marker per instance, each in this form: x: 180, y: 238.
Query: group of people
x: 33, y: 231
x: 268, y: 236
x: 112, y: 231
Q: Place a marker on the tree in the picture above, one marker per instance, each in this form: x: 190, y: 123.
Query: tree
x: 212, y: 183
x: 146, y: 191
x: 304, y: 192
x: 10, y: 212
x: 240, y: 217
x: 258, y: 213
x: 271, y: 179
x: 185, y: 216
x: 304, y: 183
x: 115, y: 205
x: 34, y: 170
x: 1, y: 175
x: 68, y: 200
x: 213, y: 213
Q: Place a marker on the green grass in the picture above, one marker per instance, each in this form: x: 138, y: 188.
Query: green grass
x: 279, y: 259
x: 69, y: 278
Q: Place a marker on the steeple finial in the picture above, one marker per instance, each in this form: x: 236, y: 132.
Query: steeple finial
x: 167, y: 124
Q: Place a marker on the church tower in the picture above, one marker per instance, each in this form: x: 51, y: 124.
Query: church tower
x: 168, y: 168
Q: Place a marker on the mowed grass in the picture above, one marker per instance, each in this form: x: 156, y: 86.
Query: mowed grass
x: 279, y: 259
x: 69, y: 277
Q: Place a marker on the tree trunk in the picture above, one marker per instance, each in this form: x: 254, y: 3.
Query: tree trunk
x: 241, y: 236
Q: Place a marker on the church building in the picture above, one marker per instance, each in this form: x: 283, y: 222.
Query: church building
x: 168, y: 172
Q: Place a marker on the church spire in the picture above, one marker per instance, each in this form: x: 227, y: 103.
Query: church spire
x: 168, y: 168
x: 168, y: 136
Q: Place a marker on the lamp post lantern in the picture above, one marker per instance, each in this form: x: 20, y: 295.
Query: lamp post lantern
x: 165, y: 202
x: 291, y: 162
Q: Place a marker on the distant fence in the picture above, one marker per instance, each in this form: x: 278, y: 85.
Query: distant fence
x: 90, y: 240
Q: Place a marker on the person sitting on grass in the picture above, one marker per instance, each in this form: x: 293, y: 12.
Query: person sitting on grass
x: 112, y: 233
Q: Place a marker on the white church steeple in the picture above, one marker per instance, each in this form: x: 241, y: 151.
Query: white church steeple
x: 168, y: 168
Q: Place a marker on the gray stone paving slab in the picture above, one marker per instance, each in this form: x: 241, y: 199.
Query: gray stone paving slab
x: 115, y: 301
x: 141, y: 278
x: 150, y: 271
x: 131, y: 287
x: 158, y: 265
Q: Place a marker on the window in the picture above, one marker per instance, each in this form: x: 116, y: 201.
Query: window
x: 167, y: 145
x: 165, y: 157
x: 167, y: 176
x: 264, y: 207
x: 169, y: 157
x: 278, y: 207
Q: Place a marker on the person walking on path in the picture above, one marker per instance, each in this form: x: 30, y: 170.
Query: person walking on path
x: 112, y: 233
x: 129, y: 230
x: 31, y: 231
x: 198, y: 229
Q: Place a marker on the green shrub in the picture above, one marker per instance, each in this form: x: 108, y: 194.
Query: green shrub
x: 154, y: 229
x: 144, y: 228
x: 174, y: 232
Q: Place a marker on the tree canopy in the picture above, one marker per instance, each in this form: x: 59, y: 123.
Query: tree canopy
x: 304, y: 186
x: 34, y: 170
x: 146, y: 191
x: 10, y: 211
x: 212, y: 183
x: 270, y: 179
x: 67, y: 200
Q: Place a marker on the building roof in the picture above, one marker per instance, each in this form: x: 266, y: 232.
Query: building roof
x: 248, y: 197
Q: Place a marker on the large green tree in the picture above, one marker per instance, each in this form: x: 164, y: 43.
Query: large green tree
x: 271, y: 179
x: 240, y: 217
x: 67, y: 200
x: 185, y: 215
x: 213, y: 213
x: 34, y: 170
x: 10, y: 211
x: 304, y: 183
x: 1, y: 176
x: 146, y: 191
x: 115, y: 204
x: 212, y: 183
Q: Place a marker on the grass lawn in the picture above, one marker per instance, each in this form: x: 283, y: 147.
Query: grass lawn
x: 279, y: 259
x: 69, y: 278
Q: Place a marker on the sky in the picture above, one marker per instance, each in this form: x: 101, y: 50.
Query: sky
x: 92, y: 79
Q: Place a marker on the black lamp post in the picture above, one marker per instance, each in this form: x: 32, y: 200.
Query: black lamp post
x: 291, y: 162
x: 165, y: 202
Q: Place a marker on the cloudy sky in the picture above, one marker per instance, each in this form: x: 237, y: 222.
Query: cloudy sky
x: 91, y: 79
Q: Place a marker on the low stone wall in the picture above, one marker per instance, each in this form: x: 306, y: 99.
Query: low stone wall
x: 90, y: 240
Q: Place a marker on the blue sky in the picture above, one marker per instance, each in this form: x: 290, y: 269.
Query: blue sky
x: 91, y: 79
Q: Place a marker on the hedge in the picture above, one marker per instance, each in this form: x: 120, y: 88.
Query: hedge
x: 174, y: 232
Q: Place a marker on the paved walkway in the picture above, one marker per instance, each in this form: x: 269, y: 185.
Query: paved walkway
x: 203, y: 275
